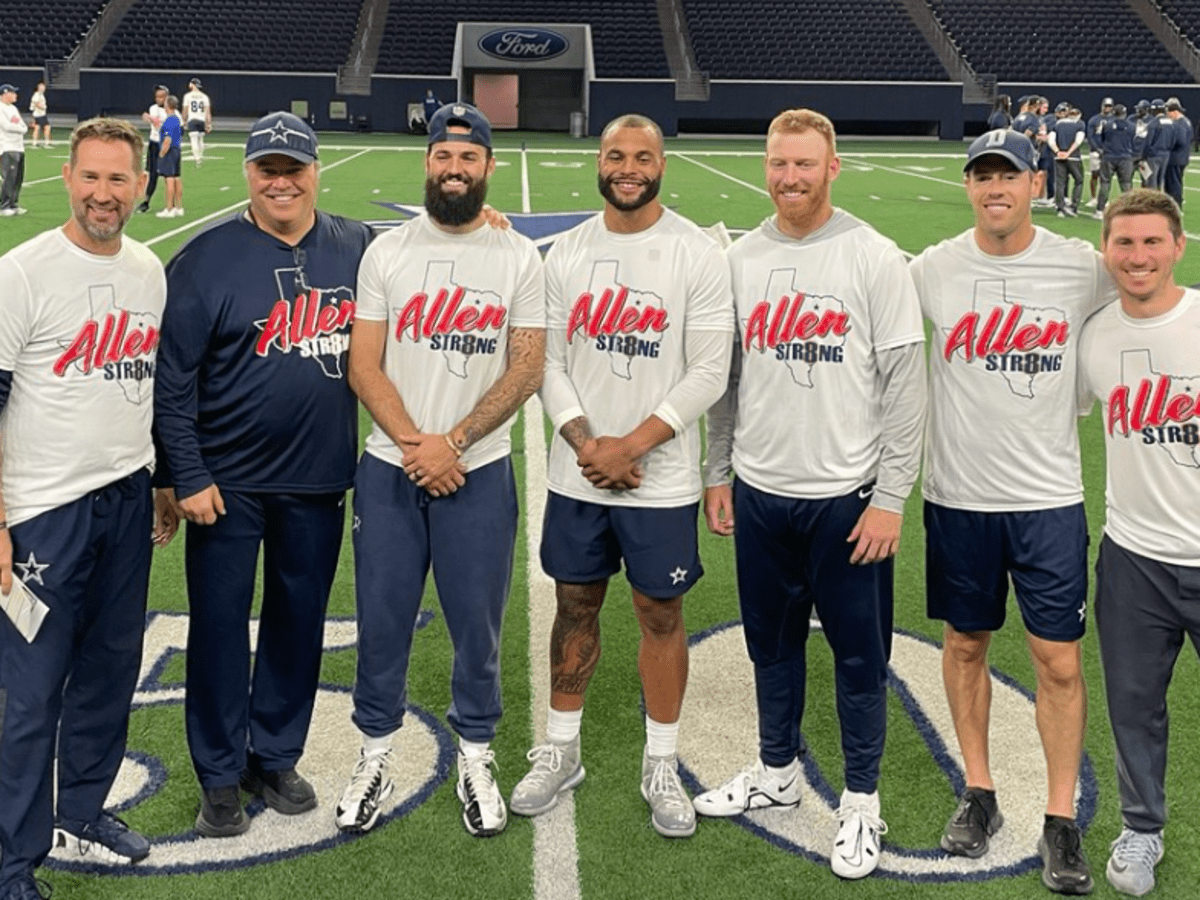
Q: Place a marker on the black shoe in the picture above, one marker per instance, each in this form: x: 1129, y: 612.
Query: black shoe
x: 976, y: 819
x: 221, y: 813
x: 285, y: 791
x: 1065, y: 868
x: 144, y: 206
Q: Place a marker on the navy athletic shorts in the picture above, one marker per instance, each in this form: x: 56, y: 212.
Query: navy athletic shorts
x: 971, y: 556
x: 585, y: 542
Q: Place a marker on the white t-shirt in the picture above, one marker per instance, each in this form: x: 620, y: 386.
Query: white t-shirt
x: 1002, y: 434
x: 618, y: 307
x: 158, y: 115
x: 12, y: 129
x: 196, y: 106
x: 37, y: 103
x: 812, y: 314
x: 1146, y: 375
x: 79, y: 332
x: 449, y: 301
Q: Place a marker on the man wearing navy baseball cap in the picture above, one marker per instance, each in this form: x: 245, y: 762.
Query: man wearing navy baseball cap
x: 1003, y: 489
x: 12, y: 151
x: 259, y: 426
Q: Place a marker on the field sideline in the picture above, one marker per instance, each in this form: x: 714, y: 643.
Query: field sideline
x: 600, y: 843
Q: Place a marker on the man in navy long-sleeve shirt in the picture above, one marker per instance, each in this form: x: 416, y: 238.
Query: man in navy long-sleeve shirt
x: 258, y: 423
x: 1181, y: 149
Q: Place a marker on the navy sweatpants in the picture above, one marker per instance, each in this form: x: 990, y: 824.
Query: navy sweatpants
x: 230, y: 711
x: 89, y: 561
x: 793, y: 555
x: 400, y: 531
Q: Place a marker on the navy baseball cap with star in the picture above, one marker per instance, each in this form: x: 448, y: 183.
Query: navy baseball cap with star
x: 463, y: 115
x: 282, y: 132
x: 1010, y: 145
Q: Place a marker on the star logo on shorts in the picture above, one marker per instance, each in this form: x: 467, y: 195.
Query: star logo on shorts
x: 1082, y: 611
x: 31, y: 569
x: 679, y: 575
x: 357, y: 524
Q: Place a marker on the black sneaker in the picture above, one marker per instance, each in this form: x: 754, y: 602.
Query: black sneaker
x: 221, y: 813
x: 107, y: 839
x: 976, y: 819
x: 284, y: 791
x: 1065, y: 868
x: 143, y: 206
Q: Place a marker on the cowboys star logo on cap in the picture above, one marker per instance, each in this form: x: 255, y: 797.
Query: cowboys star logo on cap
x: 282, y: 132
x: 460, y: 110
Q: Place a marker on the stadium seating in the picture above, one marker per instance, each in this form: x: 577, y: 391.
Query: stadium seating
x: 50, y: 31
x: 626, y: 39
x: 1059, y: 41
x: 819, y: 40
x: 1185, y: 14
x: 263, y: 35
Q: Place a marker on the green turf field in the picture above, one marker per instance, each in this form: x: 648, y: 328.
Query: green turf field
x: 601, y: 845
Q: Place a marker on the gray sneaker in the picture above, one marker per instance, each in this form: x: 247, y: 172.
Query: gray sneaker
x: 671, y: 810
x: 555, y: 769
x: 1134, y: 856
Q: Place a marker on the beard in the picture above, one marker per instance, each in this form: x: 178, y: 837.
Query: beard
x: 97, y: 231
x: 649, y: 192
x: 454, y: 210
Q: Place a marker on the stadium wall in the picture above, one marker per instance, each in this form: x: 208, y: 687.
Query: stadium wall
x: 894, y: 108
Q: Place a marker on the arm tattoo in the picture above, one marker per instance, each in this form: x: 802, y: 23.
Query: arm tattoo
x: 577, y: 432
x: 526, y: 357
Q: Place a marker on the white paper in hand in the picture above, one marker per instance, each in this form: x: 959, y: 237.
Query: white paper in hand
x: 24, y: 608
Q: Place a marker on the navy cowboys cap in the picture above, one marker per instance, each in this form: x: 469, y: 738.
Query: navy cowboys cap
x: 465, y: 116
x: 8, y: 88
x: 1011, y: 145
x: 282, y: 132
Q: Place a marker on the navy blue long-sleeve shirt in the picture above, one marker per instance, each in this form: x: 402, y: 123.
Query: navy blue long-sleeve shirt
x: 251, y: 389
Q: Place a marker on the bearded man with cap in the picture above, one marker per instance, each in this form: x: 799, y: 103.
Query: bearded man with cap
x: 1003, y: 487
x: 448, y: 343
x: 259, y: 425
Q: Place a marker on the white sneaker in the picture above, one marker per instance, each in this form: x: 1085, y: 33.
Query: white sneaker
x: 1134, y: 856
x: 165, y: 214
x: 178, y: 212
x: 671, y: 811
x: 11, y: 211
x: 856, y: 847
x: 752, y: 788
x: 369, y: 787
x: 1091, y: 203
x: 483, y: 807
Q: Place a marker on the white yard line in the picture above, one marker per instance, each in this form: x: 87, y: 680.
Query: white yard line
x: 555, y: 849
x: 754, y: 187
x: 182, y: 229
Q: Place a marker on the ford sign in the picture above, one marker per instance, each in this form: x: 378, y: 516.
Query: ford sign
x: 523, y: 44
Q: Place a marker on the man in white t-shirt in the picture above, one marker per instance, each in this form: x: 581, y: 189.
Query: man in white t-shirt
x: 821, y: 426
x: 78, y: 343
x: 155, y: 116
x: 1138, y: 358
x: 12, y: 152
x: 638, y: 320
x: 41, y: 115
x: 197, y: 115
x: 448, y: 342
x: 1003, y: 488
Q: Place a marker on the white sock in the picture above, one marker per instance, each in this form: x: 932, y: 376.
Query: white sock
x: 661, y: 739
x: 473, y: 748
x: 785, y: 773
x: 563, y: 727
x: 377, y: 744
x: 197, y: 149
